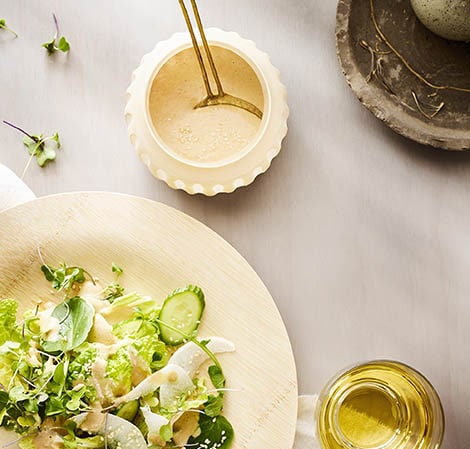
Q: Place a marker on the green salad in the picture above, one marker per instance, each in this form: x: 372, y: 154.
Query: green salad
x: 105, y: 368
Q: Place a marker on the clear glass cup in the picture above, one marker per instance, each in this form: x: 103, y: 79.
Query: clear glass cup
x: 381, y: 404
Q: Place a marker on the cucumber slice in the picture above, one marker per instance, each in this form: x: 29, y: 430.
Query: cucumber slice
x: 181, y: 310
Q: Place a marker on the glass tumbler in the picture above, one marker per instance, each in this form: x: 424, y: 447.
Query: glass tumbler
x: 380, y: 404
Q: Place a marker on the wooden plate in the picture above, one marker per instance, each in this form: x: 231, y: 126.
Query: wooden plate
x: 161, y: 249
x: 390, y: 97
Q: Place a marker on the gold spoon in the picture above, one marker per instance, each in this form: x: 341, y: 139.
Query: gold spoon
x: 220, y: 97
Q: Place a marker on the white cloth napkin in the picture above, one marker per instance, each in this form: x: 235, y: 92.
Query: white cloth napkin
x: 305, y: 433
x: 14, y: 191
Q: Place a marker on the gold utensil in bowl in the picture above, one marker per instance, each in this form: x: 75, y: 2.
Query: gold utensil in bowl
x: 221, y: 97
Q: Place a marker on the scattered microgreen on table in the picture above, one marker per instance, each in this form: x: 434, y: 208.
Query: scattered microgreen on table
x: 56, y: 43
x: 40, y: 147
x: 3, y: 26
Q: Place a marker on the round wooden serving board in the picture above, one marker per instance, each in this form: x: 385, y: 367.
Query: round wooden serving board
x: 161, y: 249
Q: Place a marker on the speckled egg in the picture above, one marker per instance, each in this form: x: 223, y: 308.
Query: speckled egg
x: 449, y: 19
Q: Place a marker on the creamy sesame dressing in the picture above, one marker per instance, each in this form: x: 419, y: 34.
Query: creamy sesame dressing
x: 208, y: 134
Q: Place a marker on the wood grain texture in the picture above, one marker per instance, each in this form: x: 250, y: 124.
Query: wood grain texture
x: 161, y: 249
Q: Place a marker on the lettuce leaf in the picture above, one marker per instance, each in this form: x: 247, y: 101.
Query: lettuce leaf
x: 27, y: 442
x: 7, y: 362
x: 8, y: 328
x: 195, y: 400
x: 80, y: 367
x: 133, y: 328
x: 119, y: 370
x: 152, y: 351
x: 129, y: 301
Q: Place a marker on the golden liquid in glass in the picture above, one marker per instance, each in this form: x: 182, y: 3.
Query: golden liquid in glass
x: 380, y: 405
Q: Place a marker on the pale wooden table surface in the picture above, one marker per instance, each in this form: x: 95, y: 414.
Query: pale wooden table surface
x: 361, y: 236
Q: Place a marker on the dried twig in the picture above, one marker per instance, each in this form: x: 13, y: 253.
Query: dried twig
x: 435, y: 109
x: 373, y: 57
x: 405, y: 62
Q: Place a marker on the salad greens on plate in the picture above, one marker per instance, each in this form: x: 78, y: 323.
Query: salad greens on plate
x: 109, y: 369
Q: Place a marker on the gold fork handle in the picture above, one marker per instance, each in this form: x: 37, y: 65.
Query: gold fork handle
x: 220, y: 90
x: 200, y: 59
x: 221, y: 98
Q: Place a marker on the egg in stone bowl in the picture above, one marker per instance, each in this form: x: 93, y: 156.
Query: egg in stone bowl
x: 449, y: 19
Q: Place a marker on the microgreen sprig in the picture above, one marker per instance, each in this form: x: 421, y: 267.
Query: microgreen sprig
x: 64, y: 277
x: 56, y: 43
x: 3, y: 26
x: 38, y: 146
x: 202, y: 344
x: 116, y: 269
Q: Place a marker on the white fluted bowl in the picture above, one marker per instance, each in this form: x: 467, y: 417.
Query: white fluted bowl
x: 199, y: 177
